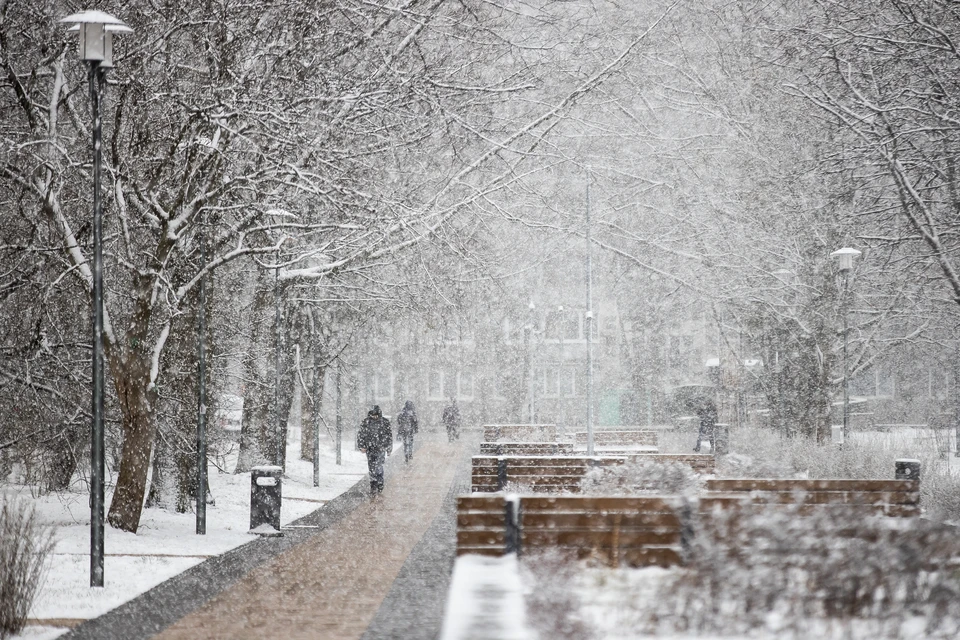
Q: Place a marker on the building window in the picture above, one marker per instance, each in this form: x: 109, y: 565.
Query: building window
x: 886, y: 383
x: 571, y: 325
x: 876, y: 382
x: 495, y: 385
x: 568, y: 381
x: 435, y: 385
x: 465, y: 385
x: 379, y: 386
x: 551, y: 382
x: 382, y: 384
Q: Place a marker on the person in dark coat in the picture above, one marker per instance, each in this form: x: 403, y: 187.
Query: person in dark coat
x: 451, y: 420
x: 707, y: 412
x: 407, y: 426
x: 376, y: 440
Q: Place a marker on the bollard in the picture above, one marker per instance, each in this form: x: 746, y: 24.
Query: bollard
x: 501, y: 473
x: 266, y: 483
x: 511, y: 522
x: 687, y: 530
x: 907, y: 469
x: 721, y: 438
x: 836, y: 434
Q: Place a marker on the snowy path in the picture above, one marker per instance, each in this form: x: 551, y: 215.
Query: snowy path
x: 332, y: 584
x: 414, y: 607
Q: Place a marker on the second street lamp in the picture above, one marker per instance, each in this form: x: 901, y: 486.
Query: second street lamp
x: 845, y: 256
x: 96, y: 30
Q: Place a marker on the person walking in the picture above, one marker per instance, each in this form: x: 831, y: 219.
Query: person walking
x: 707, y: 412
x: 375, y: 439
x: 407, y: 426
x: 451, y: 420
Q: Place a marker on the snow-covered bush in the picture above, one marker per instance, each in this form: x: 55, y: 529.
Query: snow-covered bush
x: 553, y: 604
x: 865, y: 456
x: 739, y: 465
x: 639, y: 475
x: 24, y: 545
x: 796, y: 576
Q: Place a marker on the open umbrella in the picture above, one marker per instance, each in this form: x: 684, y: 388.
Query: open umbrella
x: 687, y: 397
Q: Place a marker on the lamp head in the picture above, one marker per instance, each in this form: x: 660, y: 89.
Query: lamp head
x: 96, y: 30
x: 845, y: 256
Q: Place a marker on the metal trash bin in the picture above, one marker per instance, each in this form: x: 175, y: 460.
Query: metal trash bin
x: 721, y: 438
x: 266, y: 483
x: 836, y: 433
x: 906, y: 469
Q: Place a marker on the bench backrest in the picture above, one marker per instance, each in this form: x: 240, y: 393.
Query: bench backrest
x: 643, y: 437
x: 525, y: 448
x: 520, y: 432
x: 556, y: 474
x: 804, y: 496
x: 553, y: 474
x: 636, y: 531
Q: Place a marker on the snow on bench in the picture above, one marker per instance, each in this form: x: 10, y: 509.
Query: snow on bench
x: 520, y: 432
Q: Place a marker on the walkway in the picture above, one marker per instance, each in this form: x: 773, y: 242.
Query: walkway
x: 332, y: 584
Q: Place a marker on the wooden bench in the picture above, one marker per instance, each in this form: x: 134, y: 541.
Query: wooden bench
x: 525, y: 448
x: 520, y: 432
x: 657, y: 530
x: 900, y: 498
x: 562, y: 473
x: 534, y: 473
x: 643, y: 437
x: 636, y: 531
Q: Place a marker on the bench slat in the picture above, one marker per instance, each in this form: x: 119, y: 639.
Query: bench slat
x: 625, y: 538
x: 755, y: 484
x: 480, y: 537
x: 595, y: 519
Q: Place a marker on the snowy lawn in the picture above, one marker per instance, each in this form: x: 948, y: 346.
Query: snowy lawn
x: 165, y: 544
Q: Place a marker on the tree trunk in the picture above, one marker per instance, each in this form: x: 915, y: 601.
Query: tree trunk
x: 63, y: 460
x: 309, y: 359
x: 131, y: 376
x: 306, y: 415
x: 156, y: 496
x: 287, y: 380
x: 254, y: 434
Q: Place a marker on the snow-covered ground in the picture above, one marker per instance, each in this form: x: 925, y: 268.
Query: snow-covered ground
x: 486, y: 594
x: 166, y: 543
x: 492, y: 597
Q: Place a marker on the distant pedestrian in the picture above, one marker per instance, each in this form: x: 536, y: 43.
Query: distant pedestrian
x: 707, y: 412
x: 376, y: 440
x: 407, y: 426
x: 451, y: 420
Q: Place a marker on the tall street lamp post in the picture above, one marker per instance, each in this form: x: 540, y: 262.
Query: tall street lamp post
x: 845, y: 256
x: 281, y: 434
x: 560, y: 372
x: 96, y: 30
x: 201, y: 496
x: 589, y: 328
x: 530, y: 385
x: 784, y: 276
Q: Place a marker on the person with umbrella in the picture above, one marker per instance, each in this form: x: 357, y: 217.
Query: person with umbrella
x: 707, y: 412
